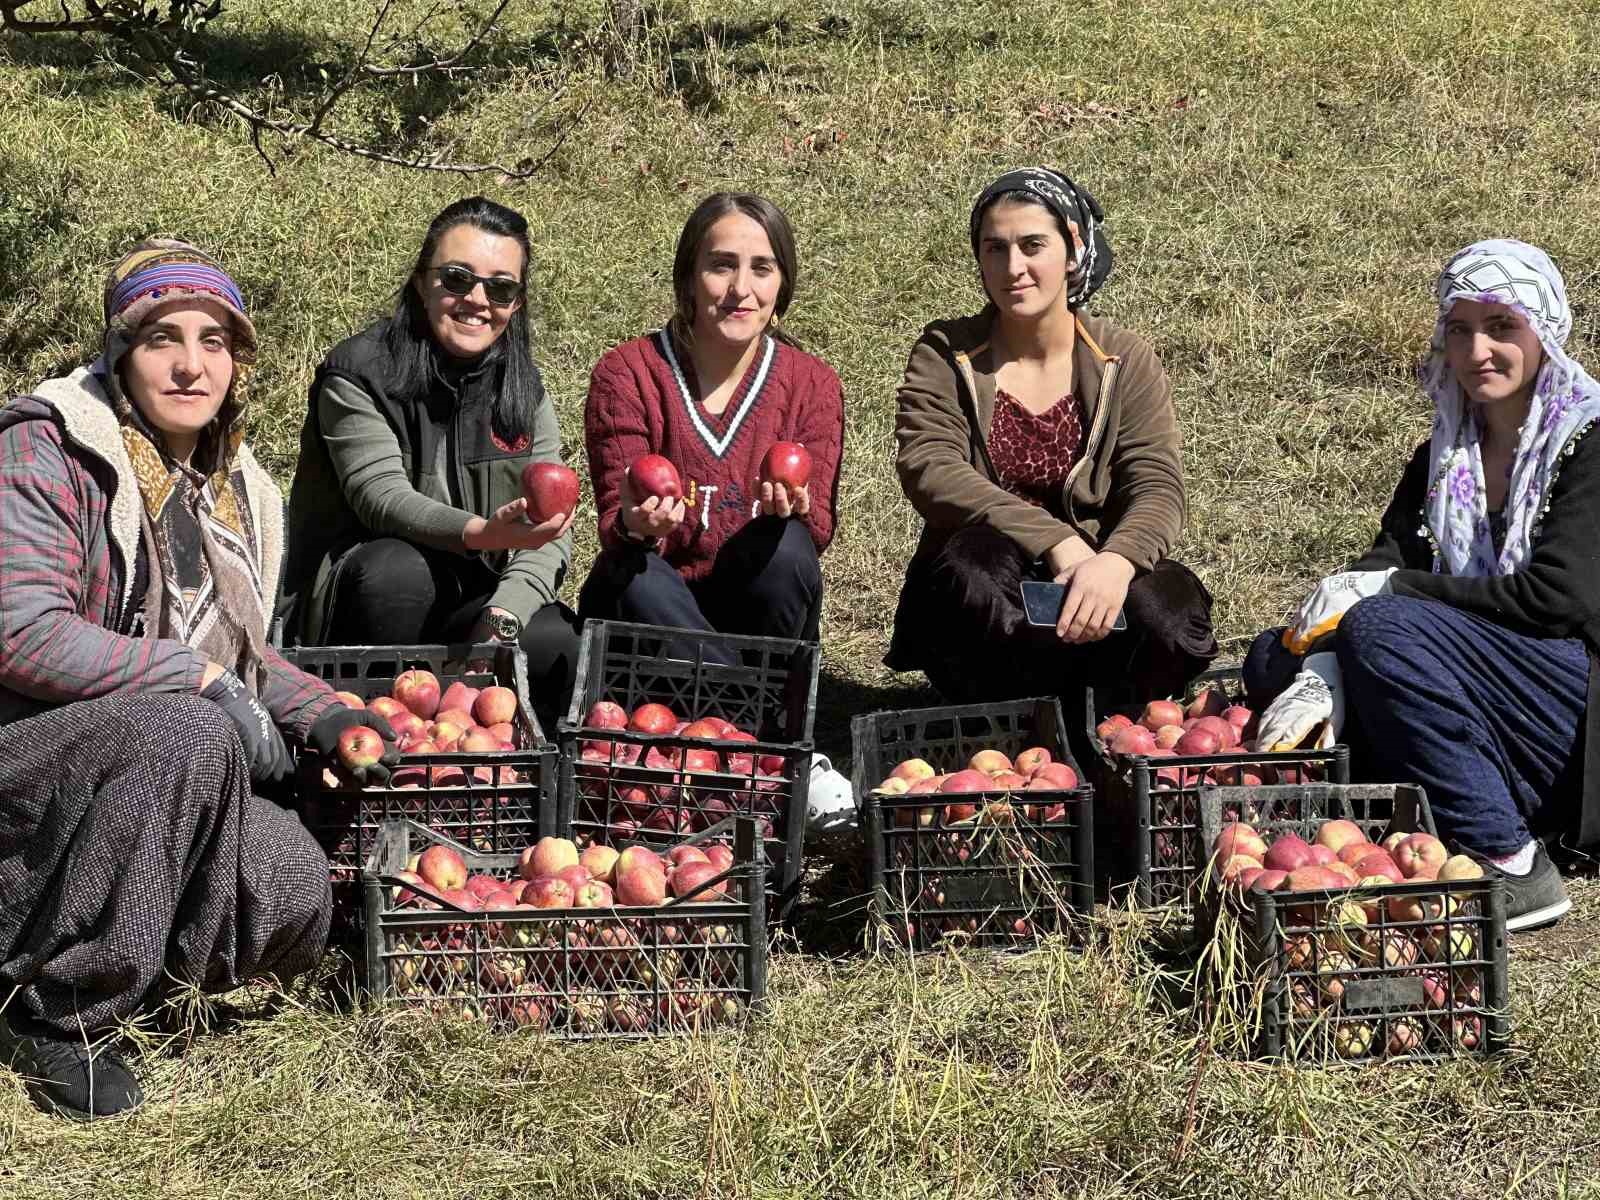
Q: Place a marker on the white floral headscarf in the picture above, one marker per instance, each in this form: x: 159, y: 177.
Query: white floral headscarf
x: 1565, y: 401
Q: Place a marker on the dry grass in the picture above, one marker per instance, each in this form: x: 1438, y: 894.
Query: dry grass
x: 1283, y: 178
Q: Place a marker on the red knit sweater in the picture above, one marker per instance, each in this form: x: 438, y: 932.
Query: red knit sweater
x: 644, y: 399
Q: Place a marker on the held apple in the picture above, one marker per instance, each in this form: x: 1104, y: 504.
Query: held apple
x: 551, y: 490
x: 359, y: 747
x: 350, y: 700
x: 788, y: 463
x: 653, y: 475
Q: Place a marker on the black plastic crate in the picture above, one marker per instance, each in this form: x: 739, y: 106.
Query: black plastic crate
x: 1149, y: 815
x: 1412, y: 971
x: 571, y: 973
x: 491, y: 802
x: 1013, y: 870
x: 614, y: 783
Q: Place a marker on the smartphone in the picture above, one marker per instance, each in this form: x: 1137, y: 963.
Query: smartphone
x: 1042, y: 602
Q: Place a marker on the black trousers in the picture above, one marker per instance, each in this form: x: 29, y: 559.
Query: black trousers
x: 766, y: 582
x: 960, y: 621
x: 391, y: 592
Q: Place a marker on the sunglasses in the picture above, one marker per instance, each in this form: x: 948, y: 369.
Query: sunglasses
x: 459, y: 281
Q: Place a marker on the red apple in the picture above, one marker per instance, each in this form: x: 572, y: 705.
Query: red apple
x: 1107, y: 729
x: 419, y: 691
x: 1198, y: 741
x: 576, y: 875
x: 1288, y: 852
x: 1227, y: 735
x: 1376, y: 862
x: 640, y: 857
x: 788, y: 463
x: 551, y: 490
x: 720, y: 857
x: 1238, y: 716
x: 548, y: 892
x: 1336, y: 835
x: 1161, y: 712
x: 1169, y: 736
x: 680, y: 856
x: 350, y: 700
x: 594, y: 894
x: 1239, y: 838
x: 359, y: 747
x: 458, y: 696
x: 911, y: 770
x: 653, y: 718
x: 640, y: 885
x: 389, y: 708
x: 1207, y: 702
x: 548, y: 856
x: 441, y: 869
x: 1419, y: 852
x: 604, y: 714
x: 967, y: 781
x: 1031, y: 759
x: 481, y: 885
x: 479, y: 741
x: 989, y: 762
x: 600, y: 861
x: 1133, y: 739
x: 653, y: 475
x: 1058, y: 776
x: 495, y: 706
x: 693, y: 875
x: 1322, y: 856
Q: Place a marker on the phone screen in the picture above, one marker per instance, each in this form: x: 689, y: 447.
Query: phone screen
x: 1042, y: 601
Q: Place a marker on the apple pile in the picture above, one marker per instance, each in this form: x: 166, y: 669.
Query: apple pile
x: 426, y: 721
x: 1165, y: 729
x: 987, y: 771
x: 631, y: 786
x: 589, y: 965
x: 1359, y: 931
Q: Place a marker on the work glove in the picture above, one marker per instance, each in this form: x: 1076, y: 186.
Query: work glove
x: 1329, y: 601
x: 1312, y: 705
x: 264, y: 748
x: 323, y: 737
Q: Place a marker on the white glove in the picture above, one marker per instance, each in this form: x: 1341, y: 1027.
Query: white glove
x: 1315, y: 698
x: 1328, y: 602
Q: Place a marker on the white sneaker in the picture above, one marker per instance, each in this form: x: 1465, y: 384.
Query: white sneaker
x: 830, y: 803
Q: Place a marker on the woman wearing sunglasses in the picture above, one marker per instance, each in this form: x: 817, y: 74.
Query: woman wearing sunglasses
x: 406, y: 519
x: 712, y: 393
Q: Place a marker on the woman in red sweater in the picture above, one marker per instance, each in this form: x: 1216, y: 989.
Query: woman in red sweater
x: 712, y: 393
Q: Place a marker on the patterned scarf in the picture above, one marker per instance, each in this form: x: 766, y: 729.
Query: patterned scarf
x: 1079, y: 214
x: 1565, y: 402
x: 205, y: 553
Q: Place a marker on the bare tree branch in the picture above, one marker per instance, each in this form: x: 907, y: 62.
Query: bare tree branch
x: 157, y: 32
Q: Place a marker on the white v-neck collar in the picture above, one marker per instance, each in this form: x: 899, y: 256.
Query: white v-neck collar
x: 719, y: 447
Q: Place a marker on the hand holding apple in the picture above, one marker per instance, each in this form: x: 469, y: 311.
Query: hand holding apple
x: 655, y: 516
x: 509, y: 529
x: 778, y: 500
x: 359, y: 739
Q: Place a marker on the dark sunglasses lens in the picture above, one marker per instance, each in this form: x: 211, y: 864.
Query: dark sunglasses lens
x: 456, y: 280
x: 502, y: 291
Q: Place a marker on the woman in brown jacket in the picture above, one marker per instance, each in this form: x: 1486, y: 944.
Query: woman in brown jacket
x: 1040, y: 443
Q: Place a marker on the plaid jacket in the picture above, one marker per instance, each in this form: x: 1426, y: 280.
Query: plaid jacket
x: 69, y: 541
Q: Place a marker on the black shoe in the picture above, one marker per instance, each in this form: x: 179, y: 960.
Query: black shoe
x: 68, y: 1076
x: 1534, y: 900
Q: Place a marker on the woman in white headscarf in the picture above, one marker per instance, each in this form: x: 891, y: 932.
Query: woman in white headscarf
x: 1462, y: 646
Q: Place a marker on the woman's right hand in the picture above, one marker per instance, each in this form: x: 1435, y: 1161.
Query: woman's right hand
x: 509, y: 529
x: 655, y: 518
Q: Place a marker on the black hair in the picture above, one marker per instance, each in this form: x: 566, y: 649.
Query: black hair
x: 707, y: 213
x: 410, y: 343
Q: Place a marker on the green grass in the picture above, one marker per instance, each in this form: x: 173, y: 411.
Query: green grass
x: 1283, y: 180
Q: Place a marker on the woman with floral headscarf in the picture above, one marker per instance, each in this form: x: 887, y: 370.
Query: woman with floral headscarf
x: 1038, y: 441
x: 1461, y: 647
x: 142, y: 710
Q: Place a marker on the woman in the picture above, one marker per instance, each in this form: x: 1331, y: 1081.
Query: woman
x: 1039, y: 442
x: 1461, y: 647
x: 406, y: 519
x: 141, y: 707
x: 712, y: 393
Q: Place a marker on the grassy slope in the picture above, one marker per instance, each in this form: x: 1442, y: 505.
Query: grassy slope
x: 1283, y: 180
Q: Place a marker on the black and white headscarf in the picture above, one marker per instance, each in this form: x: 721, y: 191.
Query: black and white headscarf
x: 1078, y: 213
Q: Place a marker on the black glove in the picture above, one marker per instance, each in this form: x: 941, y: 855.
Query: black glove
x: 324, y: 738
x: 264, y: 747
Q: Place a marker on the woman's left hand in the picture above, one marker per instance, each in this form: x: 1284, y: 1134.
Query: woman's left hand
x: 1096, y: 590
x: 778, y: 501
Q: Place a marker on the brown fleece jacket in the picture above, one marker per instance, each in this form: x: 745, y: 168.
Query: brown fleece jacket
x: 1125, y: 495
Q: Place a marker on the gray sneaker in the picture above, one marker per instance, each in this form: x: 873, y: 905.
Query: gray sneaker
x: 68, y: 1076
x: 1534, y: 900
